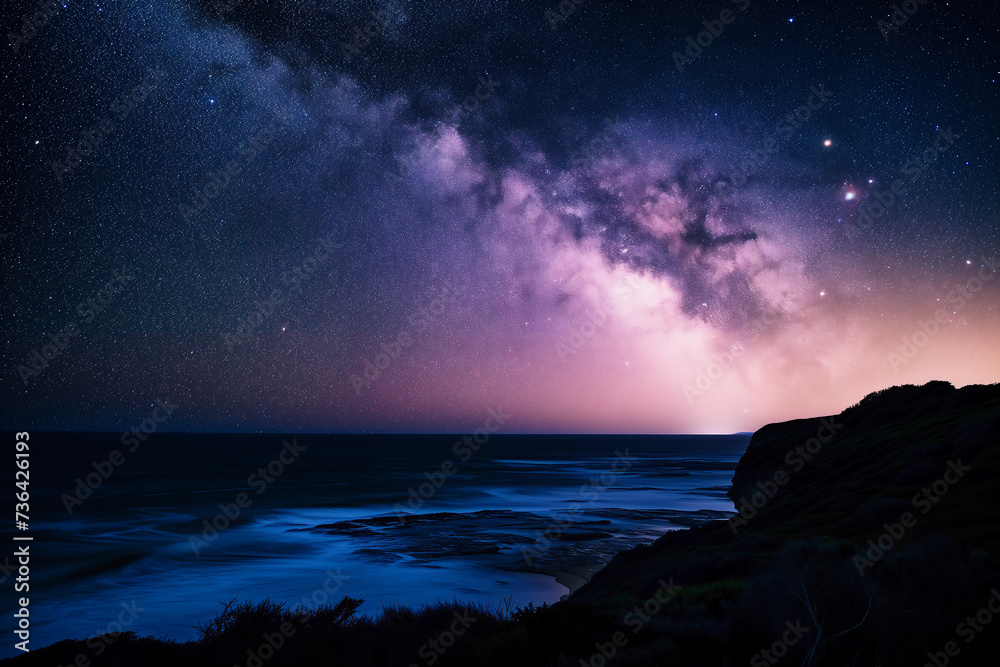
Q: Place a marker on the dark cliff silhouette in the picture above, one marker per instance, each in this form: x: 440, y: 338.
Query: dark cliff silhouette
x: 865, y: 538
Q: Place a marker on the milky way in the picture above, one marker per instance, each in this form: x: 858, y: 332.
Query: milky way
x: 383, y: 216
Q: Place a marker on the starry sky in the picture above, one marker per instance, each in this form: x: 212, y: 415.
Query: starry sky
x: 395, y: 216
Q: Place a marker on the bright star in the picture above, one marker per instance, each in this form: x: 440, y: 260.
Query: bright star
x: 849, y: 196
x: 827, y: 143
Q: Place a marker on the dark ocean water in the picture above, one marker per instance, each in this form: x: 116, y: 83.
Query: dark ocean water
x: 325, y: 526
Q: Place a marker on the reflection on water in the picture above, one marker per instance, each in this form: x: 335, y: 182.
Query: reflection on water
x: 327, y: 528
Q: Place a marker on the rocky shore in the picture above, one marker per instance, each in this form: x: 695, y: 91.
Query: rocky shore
x: 864, y: 538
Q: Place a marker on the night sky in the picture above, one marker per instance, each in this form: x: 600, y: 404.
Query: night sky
x: 396, y: 216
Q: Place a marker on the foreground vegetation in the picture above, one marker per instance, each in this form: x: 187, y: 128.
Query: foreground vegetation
x: 867, y: 539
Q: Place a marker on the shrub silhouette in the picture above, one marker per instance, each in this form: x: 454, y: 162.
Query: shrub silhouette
x: 240, y: 621
x: 796, y: 561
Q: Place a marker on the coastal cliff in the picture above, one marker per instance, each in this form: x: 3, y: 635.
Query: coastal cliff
x: 843, y: 476
x: 865, y: 538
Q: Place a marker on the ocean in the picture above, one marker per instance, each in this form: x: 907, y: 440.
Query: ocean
x: 155, y: 539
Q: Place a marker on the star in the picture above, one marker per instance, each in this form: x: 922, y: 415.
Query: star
x: 621, y: 201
